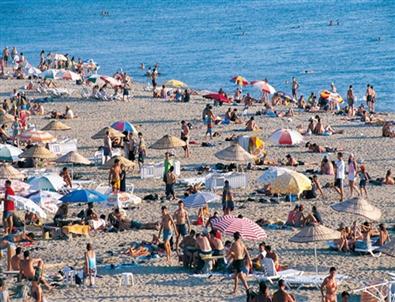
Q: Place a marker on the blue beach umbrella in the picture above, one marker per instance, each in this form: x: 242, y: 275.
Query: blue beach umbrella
x: 84, y: 195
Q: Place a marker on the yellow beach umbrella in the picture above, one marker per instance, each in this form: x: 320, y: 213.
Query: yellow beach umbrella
x: 175, y: 84
x: 291, y: 182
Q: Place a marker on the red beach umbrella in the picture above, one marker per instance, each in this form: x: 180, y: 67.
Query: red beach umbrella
x: 217, y: 97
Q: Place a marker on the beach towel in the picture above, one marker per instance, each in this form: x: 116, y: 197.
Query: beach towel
x: 76, y: 229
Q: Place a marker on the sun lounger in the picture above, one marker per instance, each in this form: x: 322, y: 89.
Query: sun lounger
x: 98, y: 158
x: 313, y: 280
x: 271, y: 274
x: 216, y: 181
x: 369, y: 250
x: 192, y: 181
x: 157, y: 170
x: 63, y: 147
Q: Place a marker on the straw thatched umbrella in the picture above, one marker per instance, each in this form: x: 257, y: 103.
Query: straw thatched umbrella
x: 36, y: 136
x: 6, y: 118
x: 315, y: 233
x: 358, y: 206
x: 123, y: 161
x: 112, y: 132
x: 73, y: 157
x: 388, y: 248
x: 234, y: 152
x: 56, y: 126
x: 168, y: 142
x: 38, y: 152
x: 9, y: 172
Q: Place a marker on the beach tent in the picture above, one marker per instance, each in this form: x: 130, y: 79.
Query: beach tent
x: 358, y: 206
x: 49, y: 182
x: 247, y: 228
x: 84, y: 196
x: 9, y: 153
x: 9, y: 172
x: 290, y: 182
x: 315, y: 233
x: 286, y: 137
x: 122, y: 126
x: 234, y: 153
x: 28, y: 205
x: 199, y: 199
x: 263, y: 86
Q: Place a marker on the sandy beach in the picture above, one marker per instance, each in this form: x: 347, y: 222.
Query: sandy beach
x: 158, y: 281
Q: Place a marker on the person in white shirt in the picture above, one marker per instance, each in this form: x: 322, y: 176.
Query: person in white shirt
x: 340, y: 175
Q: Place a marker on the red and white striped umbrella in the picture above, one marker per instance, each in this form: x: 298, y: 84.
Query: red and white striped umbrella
x: 110, y: 80
x: 264, y: 86
x: 247, y: 228
x: 36, y: 136
x: 286, y: 137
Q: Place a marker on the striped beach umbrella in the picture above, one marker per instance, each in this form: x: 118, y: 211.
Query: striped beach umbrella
x: 247, y: 228
x: 36, y: 136
x: 263, y: 86
x: 239, y: 80
x: 9, y: 153
x: 123, y: 126
x: 199, y: 199
x: 286, y: 137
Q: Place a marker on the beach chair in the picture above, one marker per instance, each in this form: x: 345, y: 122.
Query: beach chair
x: 271, y: 274
x: 147, y: 171
x: 313, y: 280
x: 98, y: 158
x: 363, y: 248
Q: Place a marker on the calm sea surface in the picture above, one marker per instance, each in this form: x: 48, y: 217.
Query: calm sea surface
x: 204, y: 43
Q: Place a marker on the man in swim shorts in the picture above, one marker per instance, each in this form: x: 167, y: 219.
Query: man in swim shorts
x: 330, y: 286
x: 238, y: 252
x: 115, y: 176
x: 183, y: 225
x: 167, y: 225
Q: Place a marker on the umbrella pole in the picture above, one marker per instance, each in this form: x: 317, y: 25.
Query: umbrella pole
x: 316, y: 258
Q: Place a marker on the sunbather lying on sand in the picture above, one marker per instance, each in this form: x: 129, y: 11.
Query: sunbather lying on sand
x: 370, y: 119
x: 387, y: 132
x: 319, y: 129
x: 315, y: 148
x: 389, y: 180
x: 120, y: 222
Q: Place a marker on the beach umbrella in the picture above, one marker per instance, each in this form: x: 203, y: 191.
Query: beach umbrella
x: 36, y: 136
x: 49, y: 74
x: 168, y: 142
x: 234, y: 152
x: 286, y: 137
x: 124, y: 126
x: 84, y: 196
x: 331, y: 96
x: 315, y: 233
x: 17, y: 185
x: 239, y: 80
x: 358, y: 206
x: 271, y: 174
x: 388, y: 248
x: 46, y: 199
x: 290, y: 182
x: 38, y: 152
x: 175, y: 84
x: 73, y: 157
x: 48, y: 182
x: 9, y: 172
x: 199, y: 199
x: 217, y: 97
x: 31, y: 70
x: 128, y: 164
x: 58, y: 57
x: 263, y: 86
x: 112, y: 132
x: 284, y: 96
x: 68, y: 75
x: 6, y: 118
x: 247, y: 228
x: 110, y: 80
x: 56, y: 126
x: 120, y: 199
x: 24, y: 204
x: 9, y: 153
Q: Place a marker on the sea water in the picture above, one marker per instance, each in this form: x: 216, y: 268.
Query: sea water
x: 204, y: 43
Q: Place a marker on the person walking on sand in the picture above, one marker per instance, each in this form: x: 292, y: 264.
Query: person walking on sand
x: 90, y: 264
x: 210, y: 122
x: 352, y: 173
x: 107, y: 146
x: 183, y: 225
x: 227, y: 199
x: 295, y: 87
x: 330, y: 287
x: 238, y: 252
x: 141, y: 150
x: 281, y: 295
x: 114, y: 176
x: 340, y: 174
x: 167, y: 225
x: 363, y: 179
x: 9, y: 208
x: 185, y: 136
x: 171, y: 179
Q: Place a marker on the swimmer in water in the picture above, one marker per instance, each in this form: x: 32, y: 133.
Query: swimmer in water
x: 142, y: 66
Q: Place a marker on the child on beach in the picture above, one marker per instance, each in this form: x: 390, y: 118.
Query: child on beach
x: 90, y: 264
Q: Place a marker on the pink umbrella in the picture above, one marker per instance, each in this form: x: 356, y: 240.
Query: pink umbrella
x: 264, y: 86
x: 286, y: 137
x: 217, y: 97
x: 247, y: 228
x: 37, y: 136
x: 110, y: 80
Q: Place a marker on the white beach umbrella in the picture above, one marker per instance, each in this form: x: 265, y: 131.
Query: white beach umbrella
x: 286, y: 137
x: 50, y: 182
x: 24, y: 204
x: 199, y: 199
x: 47, y: 200
x: 9, y: 153
x: 271, y: 174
